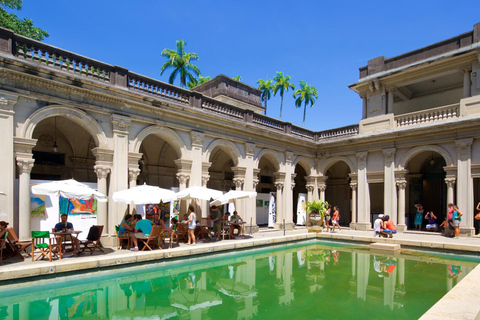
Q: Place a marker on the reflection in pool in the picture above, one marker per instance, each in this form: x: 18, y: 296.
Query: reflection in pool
x: 309, y: 280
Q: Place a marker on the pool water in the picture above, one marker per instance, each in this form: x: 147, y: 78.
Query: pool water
x: 309, y: 280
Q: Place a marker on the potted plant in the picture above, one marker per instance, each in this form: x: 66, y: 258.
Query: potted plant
x: 316, y: 211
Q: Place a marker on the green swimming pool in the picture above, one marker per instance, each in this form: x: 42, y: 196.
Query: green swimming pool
x: 309, y: 280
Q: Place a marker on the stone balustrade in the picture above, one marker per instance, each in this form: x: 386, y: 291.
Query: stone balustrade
x: 429, y: 115
x: 137, y: 82
x: 338, y: 132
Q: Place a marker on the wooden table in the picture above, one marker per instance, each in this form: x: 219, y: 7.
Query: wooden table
x: 73, y: 234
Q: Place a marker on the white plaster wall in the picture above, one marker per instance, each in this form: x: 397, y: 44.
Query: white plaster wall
x: 375, y: 161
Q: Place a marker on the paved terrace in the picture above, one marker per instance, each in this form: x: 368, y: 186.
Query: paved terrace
x: 462, y: 302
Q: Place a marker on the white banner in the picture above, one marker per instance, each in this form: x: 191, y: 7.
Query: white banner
x: 272, y: 210
x: 301, y: 209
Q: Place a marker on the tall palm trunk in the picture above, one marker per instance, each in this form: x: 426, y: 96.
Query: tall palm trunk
x: 304, y: 113
x: 265, y: 106
x: 281, y: 107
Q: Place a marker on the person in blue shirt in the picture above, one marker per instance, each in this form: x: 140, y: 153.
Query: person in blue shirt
x: 66, y: 226
x: 143, y: 228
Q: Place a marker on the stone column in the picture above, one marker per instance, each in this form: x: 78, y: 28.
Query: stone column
x: 390, y: 192
x: 119, y: 176
x: 7, y: 157
x: 102, y: 174
x: 364, y: 107
x: 310, y: 189
x: 279, y: 184
x: 288, y: 191
x: 391, y: 92
x: 467, y: 84
x: 196, y: 156
x: 25, y: 166
x: 450, y: 179
x: 465, y: 184
x: 184, y: 167
x: 401, y: 185
x: 363, y: 201
x: 133, y: 168
x: 353, y: 223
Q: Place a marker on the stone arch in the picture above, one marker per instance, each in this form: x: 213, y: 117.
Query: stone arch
x: 79, y: 117
x: 271, y: 155
x: 167, y: 134
x: 331, y: 161
x: 306, y: 163
x: 229, y: 147
x: 429, y: 148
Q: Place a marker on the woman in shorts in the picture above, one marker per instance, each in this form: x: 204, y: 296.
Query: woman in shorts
x: 457, y: 218
x: 336, y: 219
x: 327, y: 217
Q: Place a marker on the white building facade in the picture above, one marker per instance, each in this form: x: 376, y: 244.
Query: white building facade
x: 418, y: 141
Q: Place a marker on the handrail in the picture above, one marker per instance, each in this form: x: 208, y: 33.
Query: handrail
x: 428, y: 115
x: 138, y: 82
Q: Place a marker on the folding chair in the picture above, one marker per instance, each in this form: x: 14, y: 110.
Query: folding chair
x: 92, y: 244
x: 152, y: 238
x: 18, y: 245
x: 181, y: 233
x: 122, y: 235
x: 225, y: 230
x: 46, y: 246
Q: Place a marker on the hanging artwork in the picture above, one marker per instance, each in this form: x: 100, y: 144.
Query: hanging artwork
x: 37, y: 207
x: 260, y: 203
x: 74, y: 207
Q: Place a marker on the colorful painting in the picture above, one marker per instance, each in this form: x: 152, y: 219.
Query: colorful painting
x: 77, y: 206
x: 266, y: 203
x: 259, y: 203
x: 37, y: 207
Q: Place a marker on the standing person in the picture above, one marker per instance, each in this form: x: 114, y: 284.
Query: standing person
x: 191, y: 222
x: 327, y: 217
x: 457, y: 218
x: 217, y: 222
x: 336, y: 219
x: 432, y: 221
x: 418, y: 217
x: 449, y: 225
x: 477, y: 220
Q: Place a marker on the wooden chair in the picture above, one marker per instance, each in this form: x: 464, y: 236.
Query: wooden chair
x: 122, y: 235
x: 67, y: 241
x: 182, y: 232
x: 46, y: 246
x: 153, y: 238
x: 2, y: 245
x: 225, y: 232
x: 93, y: 244
x: 18, y: 245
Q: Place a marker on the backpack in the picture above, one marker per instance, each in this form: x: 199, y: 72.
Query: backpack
x: 93, y: 234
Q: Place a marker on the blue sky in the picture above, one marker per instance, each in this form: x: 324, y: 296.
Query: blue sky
x: 322, y: 43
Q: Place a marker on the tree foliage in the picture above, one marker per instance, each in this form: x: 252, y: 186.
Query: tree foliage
x: 306, y: 94
x: 24, y: 27
x: 237, y: 77
x: 195, y: 82
x: 282, y: 85
x: 267, y: 88
x: 179, y: 60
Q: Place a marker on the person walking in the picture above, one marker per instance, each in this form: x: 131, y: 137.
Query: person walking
x: 457, y: 218
x: 328, y: 217
x: 336, y: 219
x: 418, y: 217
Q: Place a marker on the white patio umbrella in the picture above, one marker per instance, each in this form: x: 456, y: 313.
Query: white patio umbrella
x: 201, y: 193
x: 231, y: 196
x: 144, y: 194
x: 68, y: 189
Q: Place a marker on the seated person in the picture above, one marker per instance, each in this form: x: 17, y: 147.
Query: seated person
x: 143, y: 228
x: 157, y: 221
x: 127, y: 225
x: 432, y: 221
x: 173, y: 228
x: 65, y: 227
x: 388, y: 226
x: 377, y: 227
x: 235, y: 222
x: 185, y: 218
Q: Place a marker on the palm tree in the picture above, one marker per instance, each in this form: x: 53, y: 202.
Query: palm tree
x: 180, y: 62
x: 282, y: 84
x: 237, y: 77
x: 306, y: 94
x: 194, y: 82
x: 267, y: 88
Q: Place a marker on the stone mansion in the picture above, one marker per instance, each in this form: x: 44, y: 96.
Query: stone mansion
x: 418, y: 140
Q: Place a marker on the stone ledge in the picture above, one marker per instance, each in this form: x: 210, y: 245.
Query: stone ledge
x: 385, y: 246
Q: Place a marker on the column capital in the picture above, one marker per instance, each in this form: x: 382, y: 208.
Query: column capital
x: 322, y: 187
x: 254, y: 183
x: 183, y: 177
x: 25, y: 165
x: 197, y: 138
x: 464, y: 144
x: 391, y: 89
x: 353, y: 186
x: 361, y: 156
x: 238, y: 182
x: 310, y: 187
x: 250, y: 149
x: 101, y: 171
x: 120, y: 123
x: 401, y: 184
x: 133, y: 174
x: 205, y: 179
x: 292, y: 185
x: 279, y: 185
x: 389, y: 153
x: 450, y: 182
